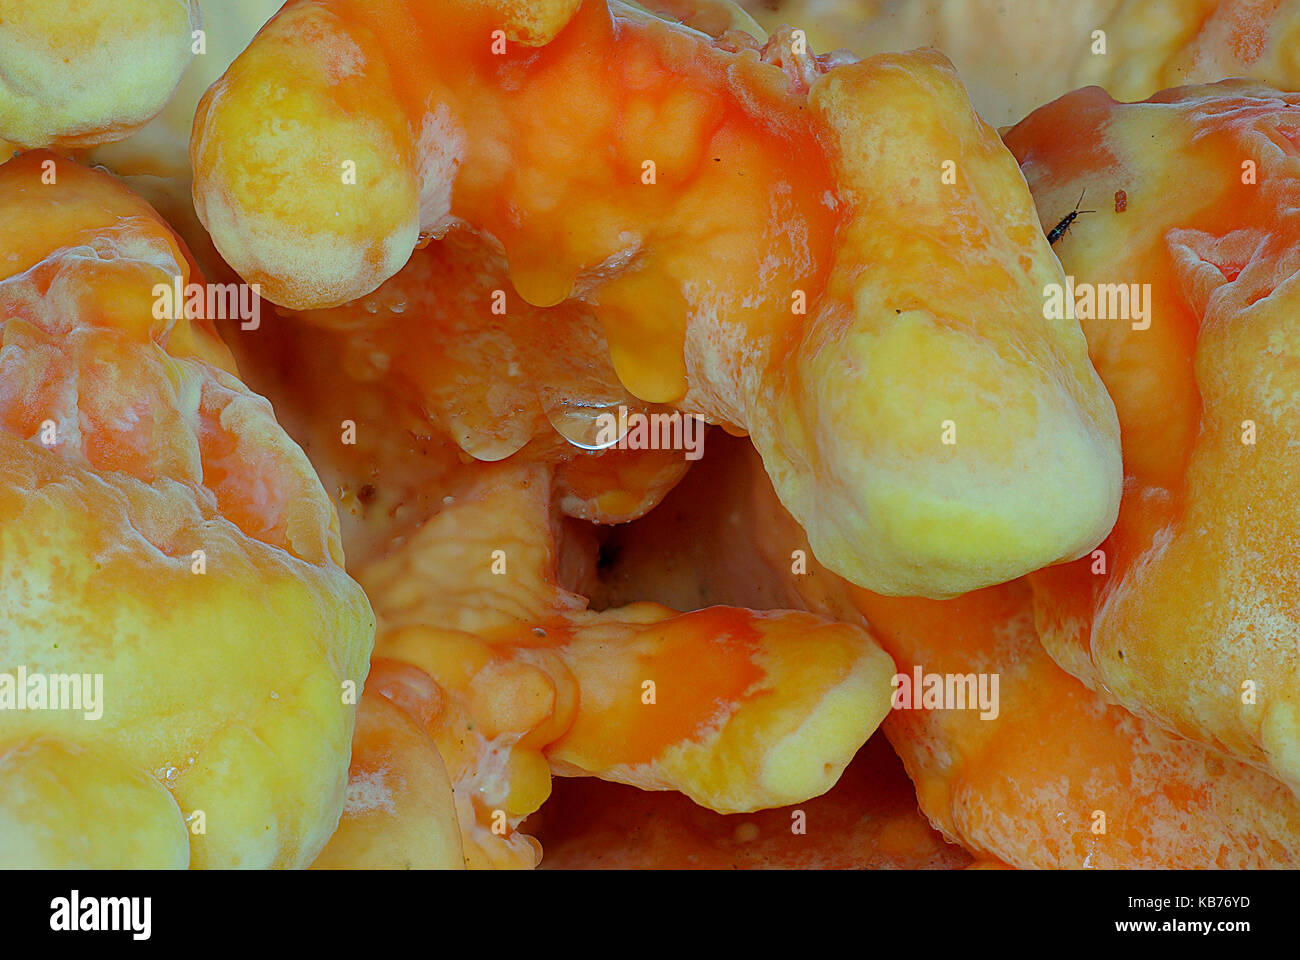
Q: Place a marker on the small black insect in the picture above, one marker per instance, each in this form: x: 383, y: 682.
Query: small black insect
x: 1058, y: 231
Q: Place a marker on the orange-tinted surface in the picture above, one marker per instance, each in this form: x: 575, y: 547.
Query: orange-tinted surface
x: 90, y: 208
x: 486, y: 368
x: 82, y: 328
x: 1031, y: 786
x: 399, y: 811
x: 868, y: 820
x: 720, y: 645
x: 151, y: 512
x: 463, y: 563
x: 1022, y: 788
x: 699, y: 702
x: 1191, y: 618
x: 764, y: 235
x: 556, y: 175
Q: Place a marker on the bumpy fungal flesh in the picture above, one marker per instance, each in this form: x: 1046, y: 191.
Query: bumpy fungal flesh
x: 488, y: 370
x: 399, y: 812
x: 1023, y: 787
x: 791, y: 271
x: 1190, y: 613
x: 154, y: 160
x: 736, y: 709
x: 151, y: 512
x: 468, y: 566
x: 1014, y: 57
x: 76, y: 73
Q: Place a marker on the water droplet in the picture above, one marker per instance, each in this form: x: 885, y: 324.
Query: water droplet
x: 591, y: 426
